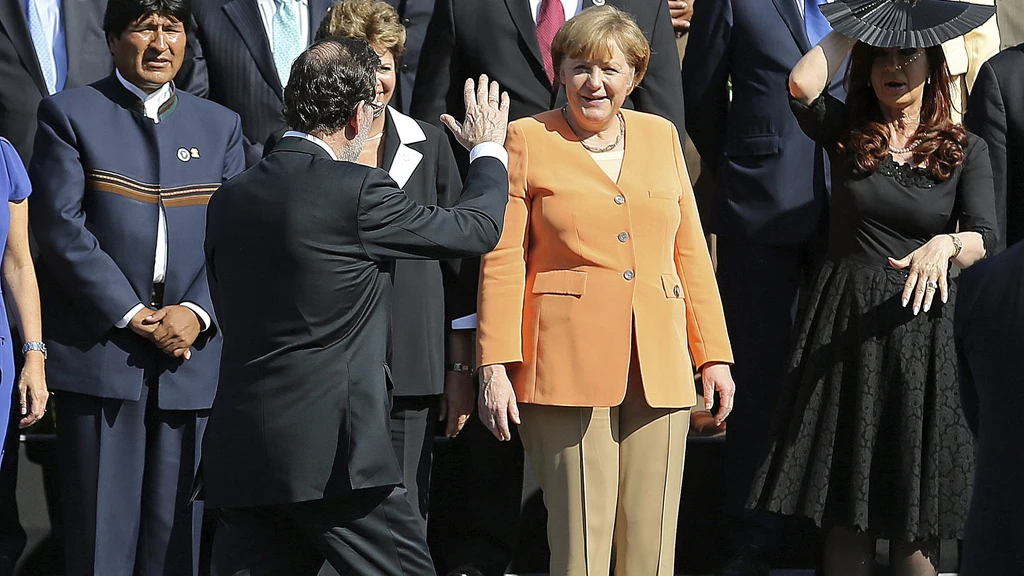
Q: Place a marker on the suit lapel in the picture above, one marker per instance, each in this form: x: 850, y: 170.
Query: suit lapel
x: 317, y: 10
x: 520, y: 12
x: 12, y: 19
x: 791, y: 14
x: 245, y: 16
x: 400, y: 160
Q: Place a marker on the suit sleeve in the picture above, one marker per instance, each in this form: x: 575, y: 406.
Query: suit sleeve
x: 449, y: 187
x: 969, y: 281
x: 198, y: 291
x: 433, y: 75
x: 660, y: 92
x: 705, y: 319
x: 706, y: 76
x: 67, y: 247
x: 503, y: 271
x: 986, y: 117
x: 391, y: 226
x: 192, y: 77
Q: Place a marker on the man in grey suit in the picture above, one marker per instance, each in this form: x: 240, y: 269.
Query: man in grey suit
x: 248, y: 47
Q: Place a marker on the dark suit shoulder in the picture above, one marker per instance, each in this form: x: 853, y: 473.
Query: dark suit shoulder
x: 1008, y: 61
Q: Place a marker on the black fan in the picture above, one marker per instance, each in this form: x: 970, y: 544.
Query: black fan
x: 905, y: 23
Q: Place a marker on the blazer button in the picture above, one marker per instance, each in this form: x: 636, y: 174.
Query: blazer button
x: 620, y: 199
x: 628, y: 274
x: 676, y: 291
x: 623, y: 236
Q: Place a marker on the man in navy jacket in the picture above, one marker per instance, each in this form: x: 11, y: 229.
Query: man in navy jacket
x: 123, y: 169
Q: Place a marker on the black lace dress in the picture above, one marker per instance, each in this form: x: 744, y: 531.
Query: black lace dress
x: 869, y: 431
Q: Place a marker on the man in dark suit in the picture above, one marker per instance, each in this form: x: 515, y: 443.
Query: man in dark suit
x: 989, y: 329
x: 247, y: 49
x: 510, y: 40
x: 122, y: 171
x: 995, y: 111
x: 767, y: 211
x: 300, y: 252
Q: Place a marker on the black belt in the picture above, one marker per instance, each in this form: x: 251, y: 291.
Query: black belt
x: 157, y: 301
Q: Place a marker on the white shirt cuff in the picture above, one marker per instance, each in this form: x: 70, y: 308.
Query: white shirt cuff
x: 127, y: 318
x: 492, y: 149
x: 204, y: 318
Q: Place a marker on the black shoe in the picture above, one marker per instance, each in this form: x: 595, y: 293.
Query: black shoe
x: 465, y: 571
x: 749, y: 561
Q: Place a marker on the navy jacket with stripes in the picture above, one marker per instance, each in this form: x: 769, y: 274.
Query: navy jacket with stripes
x: 100, y: 171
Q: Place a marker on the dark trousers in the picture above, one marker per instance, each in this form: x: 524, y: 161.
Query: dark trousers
x: 412, y: 435
x: 372, y: 531
x: 761, y: 287
x: 12, y: 535
x: 479, y: 490
x: 126, y: 471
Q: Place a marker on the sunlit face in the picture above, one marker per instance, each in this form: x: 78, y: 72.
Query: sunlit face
x: 149, y: 52
x: 596, y: 87
x: 386, y: 77
x: 898, y: 75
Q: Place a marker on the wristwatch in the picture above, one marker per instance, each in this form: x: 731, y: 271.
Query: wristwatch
x: 38, y: 346
x: 459, y: 367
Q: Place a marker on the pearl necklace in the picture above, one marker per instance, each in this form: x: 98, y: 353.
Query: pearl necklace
x: 608, y: 148
x: 910, y: 148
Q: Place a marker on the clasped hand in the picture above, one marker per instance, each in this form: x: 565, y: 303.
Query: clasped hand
x: 172, y: 328
x: 928, y: 266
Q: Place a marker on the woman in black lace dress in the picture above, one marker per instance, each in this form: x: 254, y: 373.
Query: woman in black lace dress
x: 869, y: 437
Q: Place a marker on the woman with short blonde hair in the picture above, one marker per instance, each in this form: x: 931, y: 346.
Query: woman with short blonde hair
x: 591, y: 306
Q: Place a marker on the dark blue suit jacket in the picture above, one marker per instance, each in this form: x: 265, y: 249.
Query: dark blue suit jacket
x: 989, y: 333
x: 100, y: 171
x: 770, y: 179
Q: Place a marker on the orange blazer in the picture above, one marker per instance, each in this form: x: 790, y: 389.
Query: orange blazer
x: 584, y: 261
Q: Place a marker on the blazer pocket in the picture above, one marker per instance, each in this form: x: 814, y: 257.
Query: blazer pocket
x: 672, y: 286
x: 758, y: 145
x: 569, y: 282
x: 665, y: 194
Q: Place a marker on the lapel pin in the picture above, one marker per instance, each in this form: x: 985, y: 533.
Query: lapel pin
x: 598, y: 2
x: 184, y: 155
x: 194, y: 152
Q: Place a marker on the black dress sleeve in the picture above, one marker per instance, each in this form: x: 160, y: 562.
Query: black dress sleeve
x: 975, y: 195
x: 823, y: 120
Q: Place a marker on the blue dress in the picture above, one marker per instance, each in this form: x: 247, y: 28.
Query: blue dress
x: 14, y: 184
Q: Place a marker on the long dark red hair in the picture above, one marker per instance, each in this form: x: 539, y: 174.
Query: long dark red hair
x: 943, y: 143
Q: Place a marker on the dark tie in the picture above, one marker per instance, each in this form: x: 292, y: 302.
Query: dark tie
x: 815, y: 23
x: 550, y: 19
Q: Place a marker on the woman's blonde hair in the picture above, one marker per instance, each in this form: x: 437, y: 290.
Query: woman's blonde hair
x: 595, y: 31
x: 372, y: 20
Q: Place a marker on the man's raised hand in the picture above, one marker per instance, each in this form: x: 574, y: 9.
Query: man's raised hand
x: 486, y: 115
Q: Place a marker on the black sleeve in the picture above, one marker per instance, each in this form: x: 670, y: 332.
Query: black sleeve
x: 974, y: 196
x: 661, y: 90
x: 391, y: 226
x: 986, y: 117
x: 823, y: 120
x: 433, y: 75
x: 192, y: 77
x: 706, y: 77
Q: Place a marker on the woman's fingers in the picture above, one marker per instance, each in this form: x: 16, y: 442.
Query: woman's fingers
x: 932, y: 287
x: 944, y: 287
x: 908, y: 288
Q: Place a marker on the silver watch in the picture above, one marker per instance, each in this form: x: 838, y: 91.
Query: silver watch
x: 39, y: 346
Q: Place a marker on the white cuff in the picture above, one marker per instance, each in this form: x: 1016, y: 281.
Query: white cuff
x: 492, y: 149
x: 127, y: 318
x: 204, y: 318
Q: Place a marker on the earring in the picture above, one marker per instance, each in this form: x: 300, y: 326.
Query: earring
x: 928, y: 81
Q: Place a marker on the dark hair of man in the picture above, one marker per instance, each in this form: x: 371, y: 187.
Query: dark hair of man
x: 943, y: 144
x: 327, y: 82
x: 121, y: 14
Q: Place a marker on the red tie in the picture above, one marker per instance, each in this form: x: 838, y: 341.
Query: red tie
x: 550, y: 19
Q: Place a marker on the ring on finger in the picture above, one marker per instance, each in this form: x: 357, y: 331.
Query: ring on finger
x: 931, y: 285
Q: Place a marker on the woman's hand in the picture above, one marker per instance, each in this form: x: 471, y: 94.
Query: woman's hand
x: 457, y: 401
x: 497, y: 402
x: 716, y: 376
x: 32, y: 390
x: 928, y: 265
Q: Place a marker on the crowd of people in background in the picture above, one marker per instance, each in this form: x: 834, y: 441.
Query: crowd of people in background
x: 259, y: 253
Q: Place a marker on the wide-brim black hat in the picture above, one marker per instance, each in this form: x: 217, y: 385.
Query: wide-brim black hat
x: 905, y: 23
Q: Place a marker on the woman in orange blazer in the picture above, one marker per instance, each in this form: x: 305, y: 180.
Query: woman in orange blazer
x: 592, y: 305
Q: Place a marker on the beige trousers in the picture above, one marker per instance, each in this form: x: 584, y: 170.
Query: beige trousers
x: 611, y: 479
